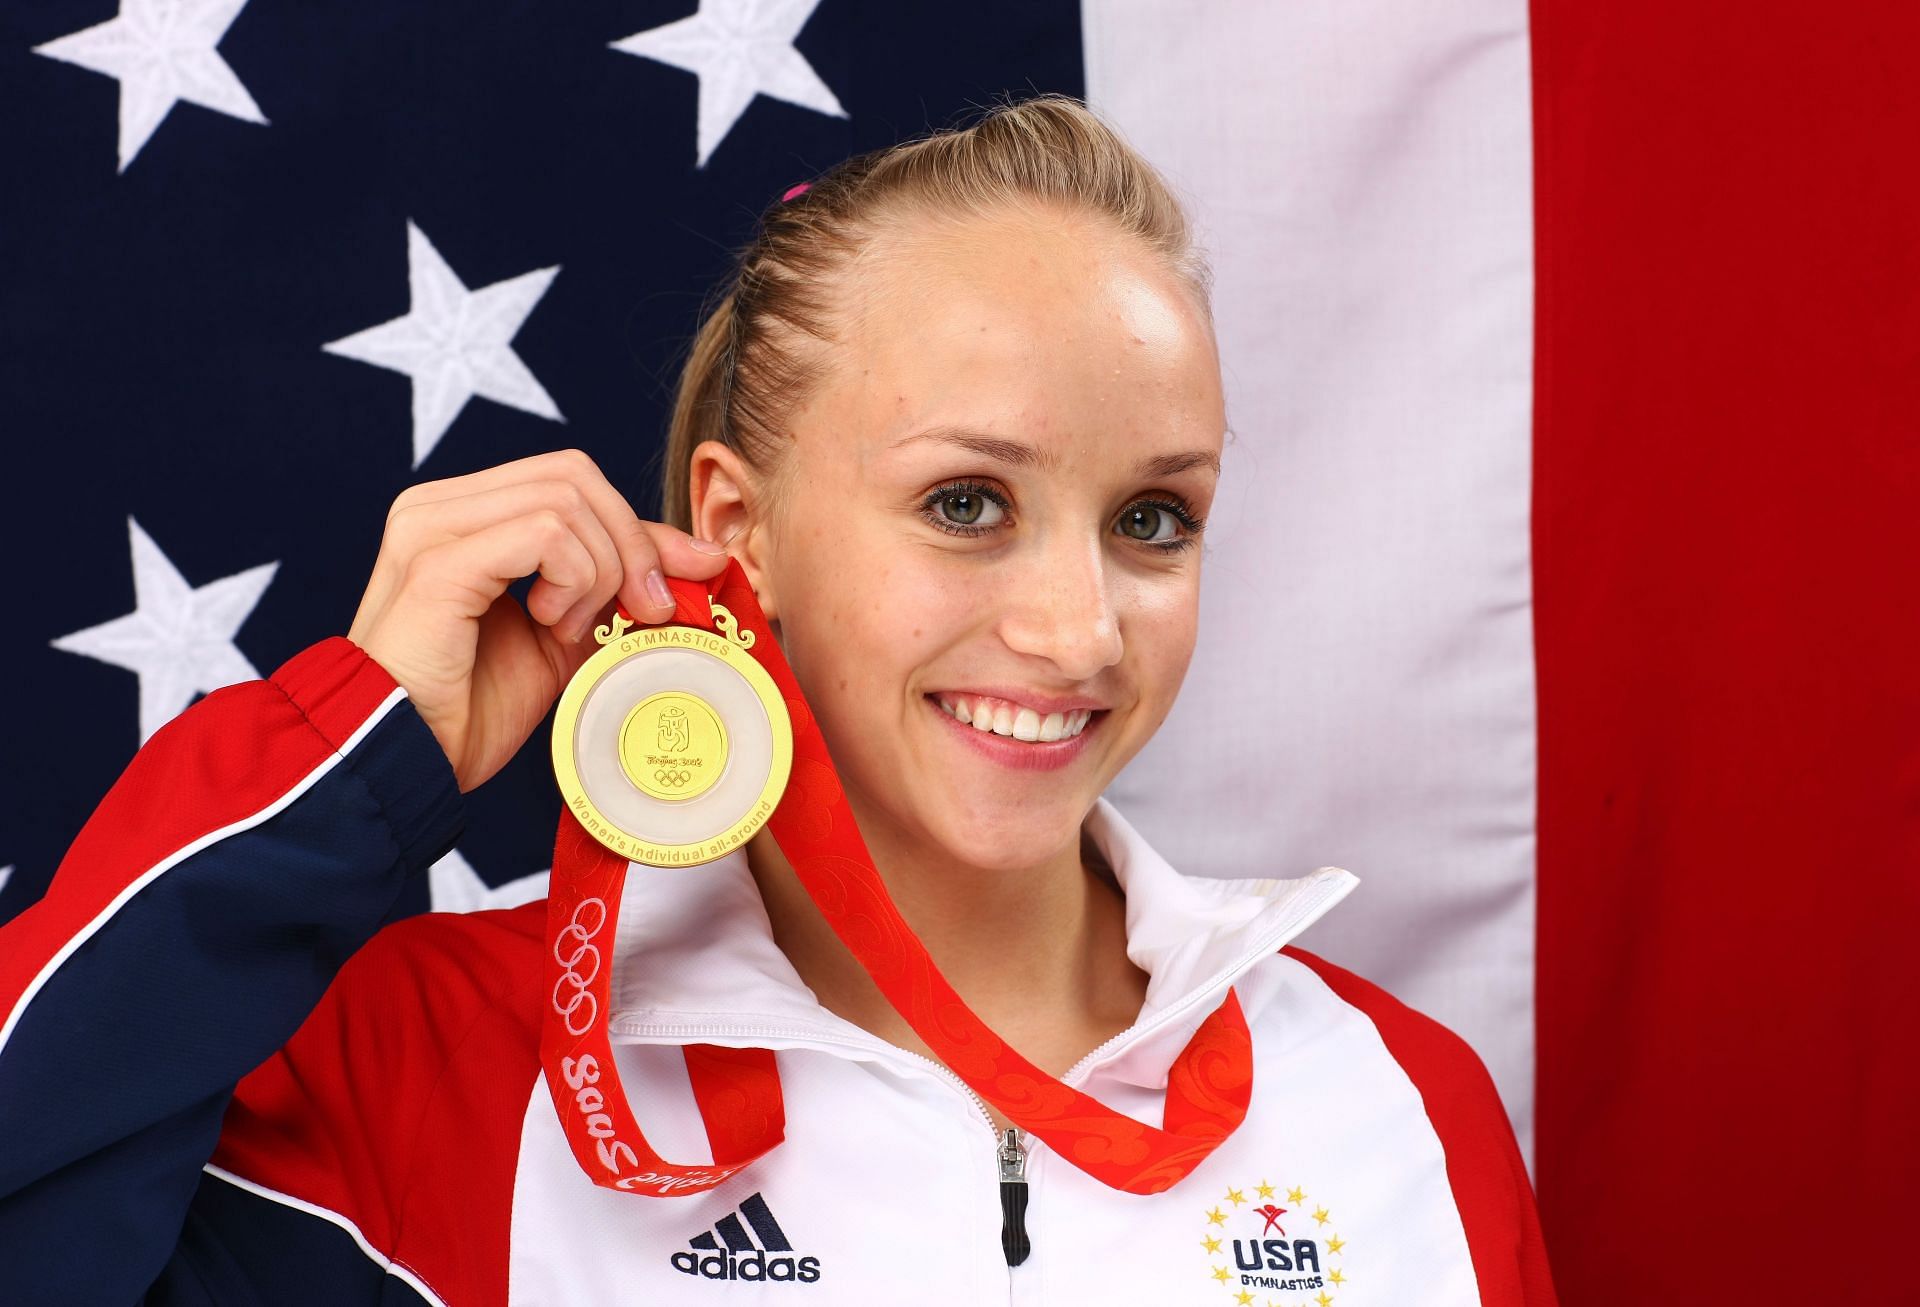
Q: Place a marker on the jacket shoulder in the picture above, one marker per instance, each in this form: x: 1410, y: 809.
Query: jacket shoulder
x: 1487, y: 1174
x: 1436, y: 1058
x: 398, y: 1106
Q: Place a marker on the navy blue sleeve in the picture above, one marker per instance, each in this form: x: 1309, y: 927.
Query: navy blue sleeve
x: 251, y: 846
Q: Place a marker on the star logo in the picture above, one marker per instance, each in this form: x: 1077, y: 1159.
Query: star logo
x: 161, y: 52
x: 738, y: 49
x: 179, y: 638
x: 453, y: 343
x: 1267, y: 1256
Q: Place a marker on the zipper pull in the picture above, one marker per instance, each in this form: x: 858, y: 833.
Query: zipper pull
x: 1013, y: 1199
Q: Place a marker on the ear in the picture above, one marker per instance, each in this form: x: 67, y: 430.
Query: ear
x: 729, y: 503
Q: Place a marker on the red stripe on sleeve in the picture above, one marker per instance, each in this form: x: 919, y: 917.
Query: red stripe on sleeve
x: 1484, y: 1167
x: 220, y: 762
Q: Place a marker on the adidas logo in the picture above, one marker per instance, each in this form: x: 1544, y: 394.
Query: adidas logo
x: 733, y: 1255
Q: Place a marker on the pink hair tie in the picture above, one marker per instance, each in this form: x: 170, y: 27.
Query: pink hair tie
x: 792, y: 191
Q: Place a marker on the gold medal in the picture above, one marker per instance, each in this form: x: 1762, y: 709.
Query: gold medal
x: 671, y: 744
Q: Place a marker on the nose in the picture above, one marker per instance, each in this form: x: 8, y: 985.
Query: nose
x: 1062, y: 609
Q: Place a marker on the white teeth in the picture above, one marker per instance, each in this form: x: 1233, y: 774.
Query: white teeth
x: 1020, y: 723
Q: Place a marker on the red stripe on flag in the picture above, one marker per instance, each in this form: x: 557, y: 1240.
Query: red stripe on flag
x: 1727, y: 504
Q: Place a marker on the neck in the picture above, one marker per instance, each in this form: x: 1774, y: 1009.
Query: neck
x: 1038, y: 951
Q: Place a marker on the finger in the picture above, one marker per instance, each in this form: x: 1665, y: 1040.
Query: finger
x: 644, y: 547
x: 552, y: 465
x: 426, y: 523
x: 681, y: 556
x: 471, y: 571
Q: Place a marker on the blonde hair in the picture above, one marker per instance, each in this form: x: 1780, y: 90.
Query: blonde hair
x: 754, y: 360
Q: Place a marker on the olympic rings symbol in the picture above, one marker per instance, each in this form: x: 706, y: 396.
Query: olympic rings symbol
x: 671, y: 779
x: 576, y: 938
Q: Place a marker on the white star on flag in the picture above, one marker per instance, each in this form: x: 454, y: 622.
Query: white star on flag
x: 6, y: 874
x: 178, y: 639
x: 161, y: 52
x: 453, y: 342
x: 454, y: 886
x: 739, y: 49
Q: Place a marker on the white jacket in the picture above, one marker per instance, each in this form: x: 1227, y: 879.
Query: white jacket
x: 403, y: 1145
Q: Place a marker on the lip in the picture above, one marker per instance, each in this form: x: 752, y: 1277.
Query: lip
x: 1020, y: 755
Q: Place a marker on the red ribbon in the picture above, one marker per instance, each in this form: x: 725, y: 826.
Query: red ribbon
x: 738, y: 1090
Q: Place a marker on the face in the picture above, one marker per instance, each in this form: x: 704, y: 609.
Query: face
x: 981, y: 550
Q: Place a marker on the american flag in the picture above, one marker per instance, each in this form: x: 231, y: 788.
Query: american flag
x: 1561, y: 582
x: 265, y: 264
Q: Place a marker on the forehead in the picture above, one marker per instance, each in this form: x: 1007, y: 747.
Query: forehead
x: 1039, y: 323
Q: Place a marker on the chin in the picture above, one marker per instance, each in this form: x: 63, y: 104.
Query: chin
x: 1009, y: 836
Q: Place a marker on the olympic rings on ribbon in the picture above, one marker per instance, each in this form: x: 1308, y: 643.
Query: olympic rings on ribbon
x: 570, y: 977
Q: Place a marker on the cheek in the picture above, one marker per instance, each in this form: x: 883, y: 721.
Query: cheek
x: 1160, y: 637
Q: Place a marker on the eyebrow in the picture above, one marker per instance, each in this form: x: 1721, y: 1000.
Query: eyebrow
x: 1015, y: 454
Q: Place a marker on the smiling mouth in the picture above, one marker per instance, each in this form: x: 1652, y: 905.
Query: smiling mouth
x: 1012, y: 721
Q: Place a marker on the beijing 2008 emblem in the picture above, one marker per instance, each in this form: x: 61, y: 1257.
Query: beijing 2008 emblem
x: 671, y: 744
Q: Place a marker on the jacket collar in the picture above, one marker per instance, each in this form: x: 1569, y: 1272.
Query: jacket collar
x: 695, y: 960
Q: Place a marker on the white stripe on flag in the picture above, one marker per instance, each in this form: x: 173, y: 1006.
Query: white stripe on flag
x: 1363, y: 690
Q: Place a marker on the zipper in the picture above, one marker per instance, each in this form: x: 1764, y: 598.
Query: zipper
x: 1014, y: 1240
x: 1010, y: 1159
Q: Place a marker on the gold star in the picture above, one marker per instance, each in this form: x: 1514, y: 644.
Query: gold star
x: 1336, y: 1276
x: 1335, y: 1244
x: 1296, y: 1196
x: 1244, y: 1298
x: 1216, y: 1217
x: 1220, y: 1274
x: 1235, y: 1197
x: 1211, y: 1244
x: 1320, y: 1214
x: 1264, y: 1189
x: 1322, y: 1298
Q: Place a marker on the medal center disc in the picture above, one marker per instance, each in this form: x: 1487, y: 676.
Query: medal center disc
x: 672, y: 745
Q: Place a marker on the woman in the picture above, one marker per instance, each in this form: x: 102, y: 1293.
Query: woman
x: 958, y: 420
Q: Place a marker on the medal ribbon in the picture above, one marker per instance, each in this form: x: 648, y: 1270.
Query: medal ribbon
x: 738, y: 1090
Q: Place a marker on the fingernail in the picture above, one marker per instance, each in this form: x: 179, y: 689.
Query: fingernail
x: 657, y: 589
x: 706, y: 546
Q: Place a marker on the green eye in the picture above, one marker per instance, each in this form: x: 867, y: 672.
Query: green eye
x: 1144, y: 522
x: 962, y: 507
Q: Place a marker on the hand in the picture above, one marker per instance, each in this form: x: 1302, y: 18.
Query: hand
x: 481, y: 670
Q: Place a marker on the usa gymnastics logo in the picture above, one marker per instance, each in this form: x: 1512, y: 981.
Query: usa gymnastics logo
x: 1272, y: 1246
